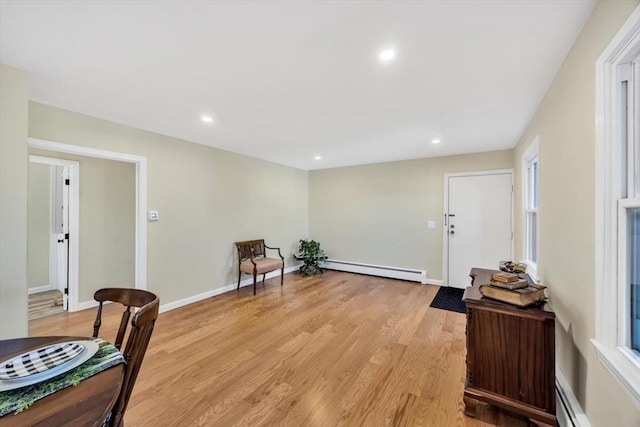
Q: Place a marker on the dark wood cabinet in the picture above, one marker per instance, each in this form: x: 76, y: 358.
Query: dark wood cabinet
x: 510, y: 355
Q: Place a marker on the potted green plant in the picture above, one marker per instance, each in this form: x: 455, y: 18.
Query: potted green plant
x: 311, y: 255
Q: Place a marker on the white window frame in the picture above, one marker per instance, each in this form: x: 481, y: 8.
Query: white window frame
x: 610, y: 340
x: 530, y: 156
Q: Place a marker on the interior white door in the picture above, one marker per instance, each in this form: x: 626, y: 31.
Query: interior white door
x: 65, y: 214
x: 61, y: 228
x: 478, y: 221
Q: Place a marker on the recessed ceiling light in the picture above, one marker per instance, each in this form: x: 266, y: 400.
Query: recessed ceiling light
x: 207, y: 119
x: 387, y: 55
x: 318, y: 157
x: 435, y: 141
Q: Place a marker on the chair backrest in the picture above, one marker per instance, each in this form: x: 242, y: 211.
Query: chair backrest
x: 138, y: 338
x: 250, y: 248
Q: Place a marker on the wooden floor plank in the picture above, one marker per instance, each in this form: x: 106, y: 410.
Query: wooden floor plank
x: 44, y: 304
x: 330, y: 350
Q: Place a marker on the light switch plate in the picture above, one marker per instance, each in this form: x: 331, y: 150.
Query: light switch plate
x: 431, y: 224
x: 153, y: 216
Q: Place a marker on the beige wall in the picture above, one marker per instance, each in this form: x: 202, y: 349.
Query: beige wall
x: 38, y: 225
x: 377, y: 214
x: 565, y: 122
x: 14, y: 110
x: 107, y: 223
x: 206, y: 198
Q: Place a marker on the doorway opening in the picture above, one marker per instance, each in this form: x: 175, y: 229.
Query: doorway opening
x: 52, y: 231
x: 140, y: 206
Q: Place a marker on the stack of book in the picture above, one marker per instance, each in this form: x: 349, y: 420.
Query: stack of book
x: 509, y: 288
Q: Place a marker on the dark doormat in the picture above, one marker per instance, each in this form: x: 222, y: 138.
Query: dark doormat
x: 450, y: 299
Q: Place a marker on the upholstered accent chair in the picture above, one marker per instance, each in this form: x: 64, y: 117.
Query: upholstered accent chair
x: 252, y: 260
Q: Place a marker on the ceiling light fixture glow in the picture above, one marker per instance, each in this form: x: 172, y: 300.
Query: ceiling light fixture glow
x: 435, y: 141
x: 318, y: 157
x: 207, y: 119
x: 387, y: 55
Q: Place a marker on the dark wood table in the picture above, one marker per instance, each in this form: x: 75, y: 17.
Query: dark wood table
x: 86, y: 404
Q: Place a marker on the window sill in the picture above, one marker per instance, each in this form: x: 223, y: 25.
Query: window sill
x: 625, y: 371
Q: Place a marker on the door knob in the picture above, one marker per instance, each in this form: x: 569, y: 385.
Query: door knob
x: 452, y: 226
x: 452, y: 232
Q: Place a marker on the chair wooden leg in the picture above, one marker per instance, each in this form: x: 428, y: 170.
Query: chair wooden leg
x: 239, y: 274
x: 263, y: 276
x: 282, y: 275
x: 255, y: 274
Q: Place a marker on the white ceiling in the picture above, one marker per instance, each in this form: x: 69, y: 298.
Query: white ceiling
x: 289, y: 80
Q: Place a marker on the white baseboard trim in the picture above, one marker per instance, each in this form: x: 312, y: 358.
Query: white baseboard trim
x: 568, y: 411
x: 86, y: 305
x: 377, y: 270
x: 195, y: 298
x: 373, y: 270
x: 212, y: 293
x: 39, y: 289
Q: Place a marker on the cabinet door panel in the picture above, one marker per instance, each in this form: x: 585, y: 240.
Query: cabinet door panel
x: 537, y: 370
x: 496, y: 354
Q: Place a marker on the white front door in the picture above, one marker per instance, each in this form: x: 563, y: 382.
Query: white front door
x: 478, y: 223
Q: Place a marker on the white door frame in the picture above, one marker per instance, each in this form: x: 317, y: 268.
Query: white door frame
x: 74, y: 229
x: 140, y: 163
x: 445, y: 230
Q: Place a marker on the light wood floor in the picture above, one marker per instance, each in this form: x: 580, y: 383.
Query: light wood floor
x: 334, y: 349
x: 45, y: 304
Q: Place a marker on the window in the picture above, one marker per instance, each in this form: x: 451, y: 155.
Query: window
x: 531, y: 172
x: 628, y: 141
x: 617, y: 340
x: 630, y: 275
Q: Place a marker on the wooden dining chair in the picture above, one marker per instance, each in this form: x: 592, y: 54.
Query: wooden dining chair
x: 252, y: 259
x: 142, y: 324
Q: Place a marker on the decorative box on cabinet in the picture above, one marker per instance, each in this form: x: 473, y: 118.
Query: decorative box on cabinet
x: 510, y: 355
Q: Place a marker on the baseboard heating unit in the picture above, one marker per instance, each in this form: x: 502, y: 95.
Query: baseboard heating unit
x: 568, y: 410
x: 377, y: 270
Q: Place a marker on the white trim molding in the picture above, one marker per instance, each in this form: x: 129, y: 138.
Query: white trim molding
x: 623, y: 369
x: 140, y: 163
x: 39, y: 289
x: 199, y: 297
x: 532, y: 153
x: 378, y: 270
x: 212, y: 293
x: 195, y: 298
x: 619, y: 363
x: 85, y: 305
